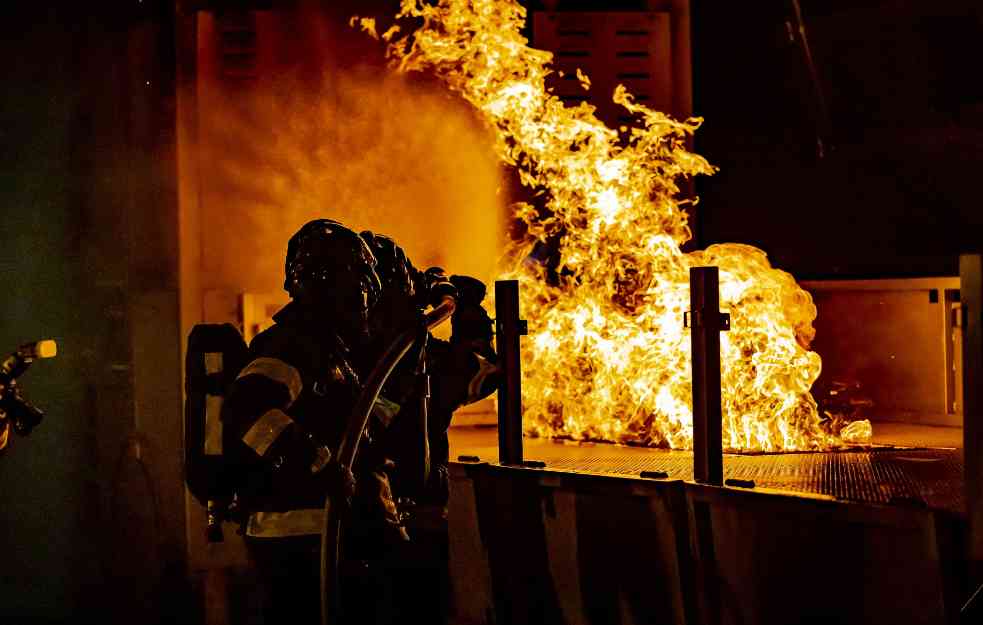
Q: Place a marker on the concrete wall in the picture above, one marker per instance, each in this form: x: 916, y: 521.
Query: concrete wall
x: 93, y: 508
x: 43, y: 552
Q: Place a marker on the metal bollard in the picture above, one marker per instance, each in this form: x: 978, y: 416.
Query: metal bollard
x: 508, y: 329
x: 706, y: 322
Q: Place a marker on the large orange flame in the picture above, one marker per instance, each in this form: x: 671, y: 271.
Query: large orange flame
x: 608, y: 357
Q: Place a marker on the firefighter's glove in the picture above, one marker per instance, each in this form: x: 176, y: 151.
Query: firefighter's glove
x: 338, y: 480
x: 434, y: 285
x: 470, y: 291
x: 383, y: 512
x: 438, y: 488
x: 471, y: 324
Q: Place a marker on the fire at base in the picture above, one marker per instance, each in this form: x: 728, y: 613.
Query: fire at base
x: 608, y: 356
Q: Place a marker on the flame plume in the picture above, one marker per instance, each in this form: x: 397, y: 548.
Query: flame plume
x: 608, y: 357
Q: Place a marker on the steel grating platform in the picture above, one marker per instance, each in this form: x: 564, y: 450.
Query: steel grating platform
x: 909, y: 465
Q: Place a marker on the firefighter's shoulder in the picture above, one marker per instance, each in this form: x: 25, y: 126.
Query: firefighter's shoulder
x: 276, y: 355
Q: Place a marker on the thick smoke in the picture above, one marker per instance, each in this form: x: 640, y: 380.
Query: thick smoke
x: 373, y: 151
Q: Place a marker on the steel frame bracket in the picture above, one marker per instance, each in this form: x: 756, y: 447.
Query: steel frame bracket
x: 694, y: 319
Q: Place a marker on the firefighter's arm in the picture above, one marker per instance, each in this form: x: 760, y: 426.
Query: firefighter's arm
x: 460, y: 375
x: 471, y: 339
x: 471, y: 373
x: 255, y: 416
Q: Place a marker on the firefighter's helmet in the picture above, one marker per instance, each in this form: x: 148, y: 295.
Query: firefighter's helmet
x: 395, y: 270
x: 328, y: 262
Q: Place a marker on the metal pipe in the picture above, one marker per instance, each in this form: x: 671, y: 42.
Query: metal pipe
x: 971, y: 300
x: 348, y: 449
x: 823, y: 123
x: 508, y: 329
x: 423, y: 386
x: 706, y: 322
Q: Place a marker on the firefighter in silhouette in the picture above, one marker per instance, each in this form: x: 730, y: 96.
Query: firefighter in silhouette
x: 460, y: 371
x: 287, y: 409
x: 449, y: 374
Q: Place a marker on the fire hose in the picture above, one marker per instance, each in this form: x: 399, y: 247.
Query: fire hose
x: 348, y: 449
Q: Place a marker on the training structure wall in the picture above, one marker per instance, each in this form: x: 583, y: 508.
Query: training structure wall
x: 529, y: 545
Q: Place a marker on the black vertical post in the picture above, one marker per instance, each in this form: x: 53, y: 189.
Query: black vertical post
x: 508, y: 329
x: 706, y: 322
x: 971, y: 298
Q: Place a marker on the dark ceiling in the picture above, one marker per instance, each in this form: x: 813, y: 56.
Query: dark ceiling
x: 898, y: 105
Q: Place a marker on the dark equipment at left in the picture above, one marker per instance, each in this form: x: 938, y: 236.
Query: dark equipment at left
x: 15, y: 410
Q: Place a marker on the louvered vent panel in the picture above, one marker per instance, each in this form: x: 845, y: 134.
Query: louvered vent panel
x: 237, y: 49
x: 629, y: 48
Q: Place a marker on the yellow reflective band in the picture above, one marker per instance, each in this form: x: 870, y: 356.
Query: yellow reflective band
x: 385, y: 411
x: 213, y: 425
x: 278, y: 371
x: 485, y: 369
x: 290, y: 523
x: 266, y: 430
x: 213, y: 362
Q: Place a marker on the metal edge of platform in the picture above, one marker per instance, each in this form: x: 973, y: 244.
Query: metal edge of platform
x: 639, y: 485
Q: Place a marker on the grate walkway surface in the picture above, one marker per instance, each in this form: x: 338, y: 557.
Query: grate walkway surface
x: 922, y: 476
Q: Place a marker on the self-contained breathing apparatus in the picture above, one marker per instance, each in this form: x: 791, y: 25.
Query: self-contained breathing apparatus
x: 15, y: 410
x: 216, y: 354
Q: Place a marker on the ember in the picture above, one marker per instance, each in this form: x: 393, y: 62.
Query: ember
x: 608, y: 356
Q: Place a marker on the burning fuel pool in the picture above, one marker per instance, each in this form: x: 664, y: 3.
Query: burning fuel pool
x: 608, y: 357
